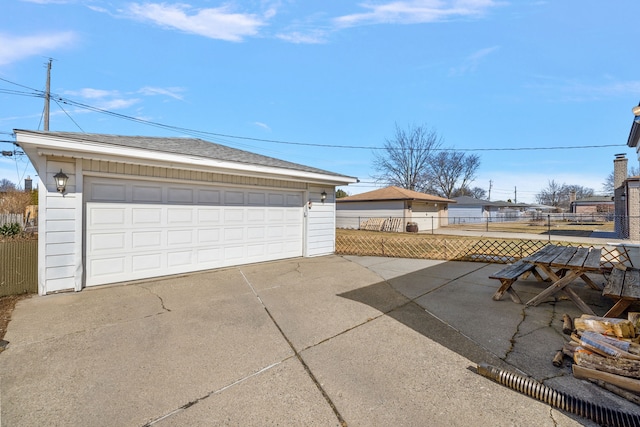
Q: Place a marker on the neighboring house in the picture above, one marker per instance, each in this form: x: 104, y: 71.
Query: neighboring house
x: 471, y: 210
x: 141, y: 207
x: 399, y: 204
x: 600, y: 205
x: 627, y: 190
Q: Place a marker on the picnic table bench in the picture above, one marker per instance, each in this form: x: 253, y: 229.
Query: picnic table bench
x: 624, y: 287
x: 511, y: 273
x: 561, y: 265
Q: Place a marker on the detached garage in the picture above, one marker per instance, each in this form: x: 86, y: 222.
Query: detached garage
x: 139, y: 207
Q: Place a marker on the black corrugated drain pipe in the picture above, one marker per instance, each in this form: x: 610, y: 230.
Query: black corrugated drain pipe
x: 532, y: 388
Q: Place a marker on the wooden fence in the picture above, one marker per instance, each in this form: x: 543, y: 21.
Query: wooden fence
x: 7, y: 218
x: 18, y: 266
x: 452, y: 249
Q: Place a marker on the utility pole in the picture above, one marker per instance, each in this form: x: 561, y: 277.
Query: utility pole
x: 515, y: 194
x: 47, y: 97
x: 490, y: 185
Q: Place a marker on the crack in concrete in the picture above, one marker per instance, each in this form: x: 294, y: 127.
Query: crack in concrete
x: 212, y: 393
x: 514, y: 338
x: 164, y: 308
x: 297, y: 354
x: 553, y: 420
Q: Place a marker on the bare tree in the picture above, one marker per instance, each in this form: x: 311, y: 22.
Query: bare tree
x: 451, y: 170
x: 478, y: 193
x: 6, y: 185
x: 551, y: 195
x: 405, y: 160
x: 608, y: 184
x: 558, y: 195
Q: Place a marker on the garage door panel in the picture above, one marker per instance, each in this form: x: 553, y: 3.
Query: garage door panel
x: 109, y: 192
x: 255, y: 233
x: 209, y: 197
x: 209, y: 256
x: 112, y: 266
x: 179, y: 237
x: 180, y: 258
x: 164, y: 228
x: 234, y: 215
x: 256, y: 199
x: 179, y: 216
x: 234, y: 197
x: 211, y: 235
x: 256, y: 215
x: 180, y: 195
x: 256, y: 251
x: 233, y: 253
x: 145, y: 262
x: 209, y: 216
x: 146, y: 216
x: 101, y: 216
x: 233, y: 234
x: 294, y: 200
x: 146, y: 239
x: 107, y: 242
x: 146, y: 194
x: 276, y: 199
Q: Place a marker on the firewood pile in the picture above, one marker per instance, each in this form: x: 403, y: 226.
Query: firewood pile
x: 605, y: 351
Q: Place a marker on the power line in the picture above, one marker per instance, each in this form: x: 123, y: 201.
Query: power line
x: 201, y: 133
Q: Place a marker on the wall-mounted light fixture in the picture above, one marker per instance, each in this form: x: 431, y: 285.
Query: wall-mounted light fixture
x: 623, y: 197
x: 323, y: 196
x: 61, y: 181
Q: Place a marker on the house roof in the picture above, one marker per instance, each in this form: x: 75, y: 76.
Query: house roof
x: 594, y: 199
x: 186, y: 148
x: 393, y: 193
x: 472, y: 201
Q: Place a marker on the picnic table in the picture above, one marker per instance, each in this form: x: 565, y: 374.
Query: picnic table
x: 563, y: 265
x: 624, y: 287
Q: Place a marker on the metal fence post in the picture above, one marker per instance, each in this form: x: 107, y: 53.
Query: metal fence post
x: 549, y: 226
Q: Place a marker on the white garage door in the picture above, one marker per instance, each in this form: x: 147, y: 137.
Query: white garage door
x: 139, y: 229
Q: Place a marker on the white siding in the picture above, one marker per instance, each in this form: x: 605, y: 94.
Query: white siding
x: 60, y: 258
x: 321, y: 222
x: 426, y: 215
x: 465, y: 214
x: 350, y: 214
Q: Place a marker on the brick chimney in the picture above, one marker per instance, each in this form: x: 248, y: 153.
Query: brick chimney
x: 620, y: 173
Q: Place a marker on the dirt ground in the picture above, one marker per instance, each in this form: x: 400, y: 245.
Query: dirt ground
x: 7, y: 305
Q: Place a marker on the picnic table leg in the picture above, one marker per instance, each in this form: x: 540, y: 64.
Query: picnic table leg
x: 506, y: 287
x: 557, y: 286
x: 591, y: 283
x: 618, y: 308
x: 578, y: 301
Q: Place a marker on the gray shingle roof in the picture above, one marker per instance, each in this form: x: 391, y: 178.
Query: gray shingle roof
x: 185, y: 146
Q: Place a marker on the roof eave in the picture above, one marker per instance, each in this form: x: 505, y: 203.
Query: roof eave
x: 65, y: 148
x: 634, y: 134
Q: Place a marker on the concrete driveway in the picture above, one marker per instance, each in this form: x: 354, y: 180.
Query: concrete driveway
x: 317, y: 341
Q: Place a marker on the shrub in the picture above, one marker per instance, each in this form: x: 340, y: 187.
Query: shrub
x: 10, y: 229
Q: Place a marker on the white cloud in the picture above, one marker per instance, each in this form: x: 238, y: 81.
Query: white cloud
x: 48, y: 1
x: 472, y: 61
x: 16, y: 48
x: 90, y: 93
x: 116, y: 104
x: 415, y: 12
x: 262, y: 125
x: 216, y: 23
x: 312, y: 37
x: 173, y: 92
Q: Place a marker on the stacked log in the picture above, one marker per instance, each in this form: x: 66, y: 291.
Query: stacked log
x: 606, y: 352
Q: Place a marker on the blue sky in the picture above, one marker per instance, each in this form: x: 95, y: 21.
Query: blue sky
x: 484, y: 74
